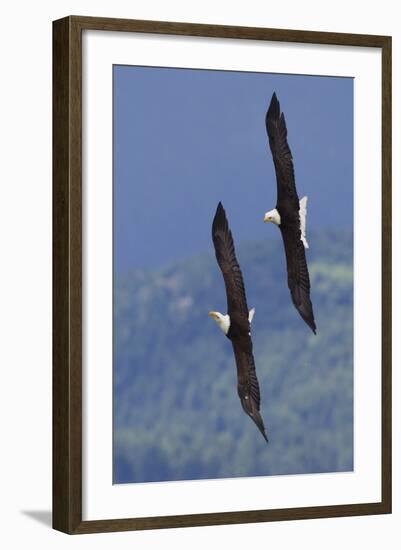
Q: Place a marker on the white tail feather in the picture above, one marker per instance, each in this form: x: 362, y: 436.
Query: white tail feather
x: 251, y: 314
x: 302, y: 217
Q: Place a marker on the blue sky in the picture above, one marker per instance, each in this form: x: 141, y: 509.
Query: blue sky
x: 185, y: 139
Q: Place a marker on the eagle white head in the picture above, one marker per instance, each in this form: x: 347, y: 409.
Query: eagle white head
x: 224, y: 321
x: 272, y: 216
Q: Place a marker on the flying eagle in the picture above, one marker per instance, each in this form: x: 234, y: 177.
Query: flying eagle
x: 236, y: 324
x: 289, y: 214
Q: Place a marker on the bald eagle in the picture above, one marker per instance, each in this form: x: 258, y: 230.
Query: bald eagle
x: 237, y: 322
x: 289, y: 214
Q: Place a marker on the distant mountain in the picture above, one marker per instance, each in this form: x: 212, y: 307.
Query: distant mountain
x: 176, y: 410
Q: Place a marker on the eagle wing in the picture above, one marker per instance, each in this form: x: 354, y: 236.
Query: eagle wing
x: 226, y: 258
x: 298, y: 275
x: 248, y: 386
x: 282, y: 157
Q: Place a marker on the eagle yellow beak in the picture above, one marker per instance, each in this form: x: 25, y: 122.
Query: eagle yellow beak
x: 212, y: 314
x: 267, y: 219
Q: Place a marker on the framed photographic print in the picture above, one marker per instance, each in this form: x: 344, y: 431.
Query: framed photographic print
x: 222, y: 274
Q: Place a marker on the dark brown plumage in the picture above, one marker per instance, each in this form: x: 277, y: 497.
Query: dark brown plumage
x: 239, y: 331
x: 288, y: 207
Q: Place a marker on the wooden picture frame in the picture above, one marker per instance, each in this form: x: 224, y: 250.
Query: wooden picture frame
x: 67, y: 273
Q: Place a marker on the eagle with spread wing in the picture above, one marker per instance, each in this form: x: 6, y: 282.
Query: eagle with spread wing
x: 289, y: 214
x: 236, y: 324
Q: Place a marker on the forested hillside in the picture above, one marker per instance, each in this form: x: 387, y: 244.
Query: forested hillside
x: 176, y: 410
